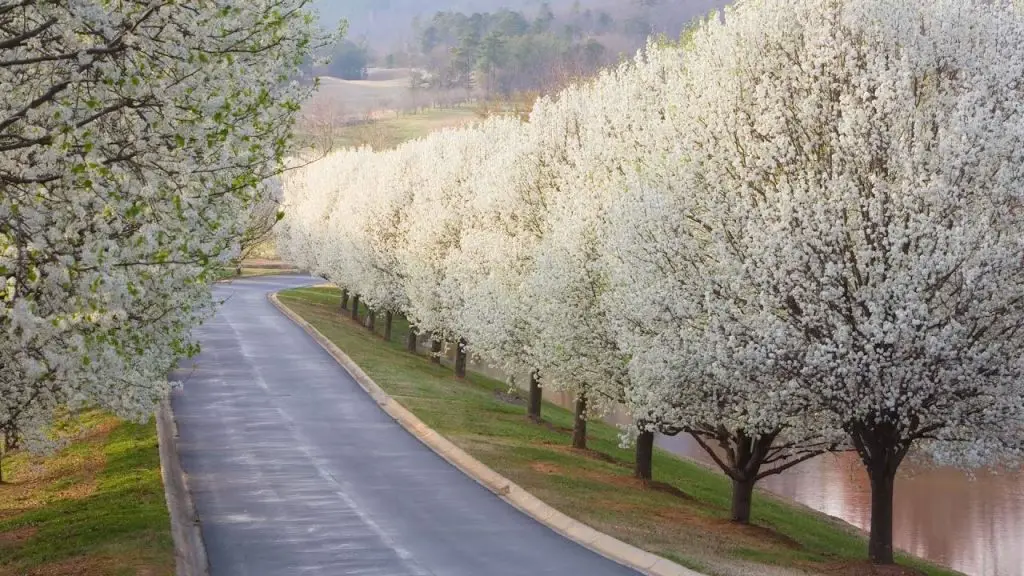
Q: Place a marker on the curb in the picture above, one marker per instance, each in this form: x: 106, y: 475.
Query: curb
x: 189, y: 549
x: 603, y: 544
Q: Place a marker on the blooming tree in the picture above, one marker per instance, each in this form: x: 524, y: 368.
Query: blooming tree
x: 595, y: 135
x: 376, y: 204
x: 135, y: 141
x: 841, y: 230
x: 311, y: 193
x: 502, y: 221
x: 684, y: 376
x: 447, y: 162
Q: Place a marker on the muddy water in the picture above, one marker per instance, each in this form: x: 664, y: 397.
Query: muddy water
x: 974, y: 525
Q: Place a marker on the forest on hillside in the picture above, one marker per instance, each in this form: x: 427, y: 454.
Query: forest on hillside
x: 384, y: 23
x: 506, y: 50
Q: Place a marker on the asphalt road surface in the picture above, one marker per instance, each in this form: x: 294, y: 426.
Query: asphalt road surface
x: 295, y: 470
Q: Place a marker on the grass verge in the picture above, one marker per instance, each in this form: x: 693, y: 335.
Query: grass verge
x: 96, y: 508
x: 683, y: 515
x: 256, y: 268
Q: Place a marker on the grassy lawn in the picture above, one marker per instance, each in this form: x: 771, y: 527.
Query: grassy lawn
x: 390, y: 132
x: 683, y: 515
x: 253, y: 268
x: 96, y: 508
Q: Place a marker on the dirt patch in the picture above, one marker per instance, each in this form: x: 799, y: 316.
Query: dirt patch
x: 546, y: 468
x: 614, y: 479
x: 64, y: 476
x: 93, y: 566
x: 653, y: 486
x: 867, y: 569
x: 17, y: 536
x: 760, y: 536
x: 670, y: 490
x: 595, y: 455
x: 81, y: 566
x: 10, y: 512
x: 752, y: 533
x: 764, y: 534
x: 592, y: 454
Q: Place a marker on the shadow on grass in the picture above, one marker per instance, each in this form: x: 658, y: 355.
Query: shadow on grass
x: 124, y: 517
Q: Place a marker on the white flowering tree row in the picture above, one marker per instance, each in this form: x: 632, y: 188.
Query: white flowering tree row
x: 797, y: 230
x: 135, y: 142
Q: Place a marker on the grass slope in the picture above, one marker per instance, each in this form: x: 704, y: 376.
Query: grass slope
x: 95, y: 508
x: 683, y: 515
x: 390, y: 132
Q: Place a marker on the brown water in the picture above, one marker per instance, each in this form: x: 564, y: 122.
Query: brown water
x: 974, y: 525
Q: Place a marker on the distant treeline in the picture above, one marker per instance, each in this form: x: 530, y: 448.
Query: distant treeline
x: 497, y: 47
x: 506, y: 51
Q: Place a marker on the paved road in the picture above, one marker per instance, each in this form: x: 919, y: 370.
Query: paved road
x: 295, y: 470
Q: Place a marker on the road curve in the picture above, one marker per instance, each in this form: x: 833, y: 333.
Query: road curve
x: 295, y: 470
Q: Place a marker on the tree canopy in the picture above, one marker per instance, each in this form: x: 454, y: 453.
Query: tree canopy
x: 137, y: 143
x: 349, y: 61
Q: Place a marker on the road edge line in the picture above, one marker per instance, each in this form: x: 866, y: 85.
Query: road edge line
x: 189, y: 548
x: 608, y: 546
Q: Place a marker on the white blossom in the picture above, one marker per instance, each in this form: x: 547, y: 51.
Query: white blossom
x: 135, y: 139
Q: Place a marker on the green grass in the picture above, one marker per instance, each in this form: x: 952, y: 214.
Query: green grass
x: 252, y: 269
x: 683, y: 516
x: 389, y: 132
x: 97, y: 507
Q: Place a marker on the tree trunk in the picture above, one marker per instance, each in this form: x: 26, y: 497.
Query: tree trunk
x: 355, y: 307
x: 644, y: 467
x: 371, y: 321
x: 435, y: 350
x: 536, y: 397
x: 745, y: 455
x: 883, y: 482
x: 882, y: 450
x: 742, y: 499
x: 389, y: 317
x: 344, y: 298
x: 410, y: 340
x: 460, y: 359
x: 579, y: 427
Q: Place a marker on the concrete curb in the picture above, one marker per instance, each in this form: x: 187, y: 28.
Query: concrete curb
x: 603, y: 544
x: 189, y: 549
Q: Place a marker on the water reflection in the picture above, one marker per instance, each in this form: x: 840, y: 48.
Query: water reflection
x: 974, y: 525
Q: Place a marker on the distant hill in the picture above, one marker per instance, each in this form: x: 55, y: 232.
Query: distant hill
x: 383, y: 22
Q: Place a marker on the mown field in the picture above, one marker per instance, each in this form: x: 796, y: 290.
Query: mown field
x: 381, y: 111
x: 390, y: 132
